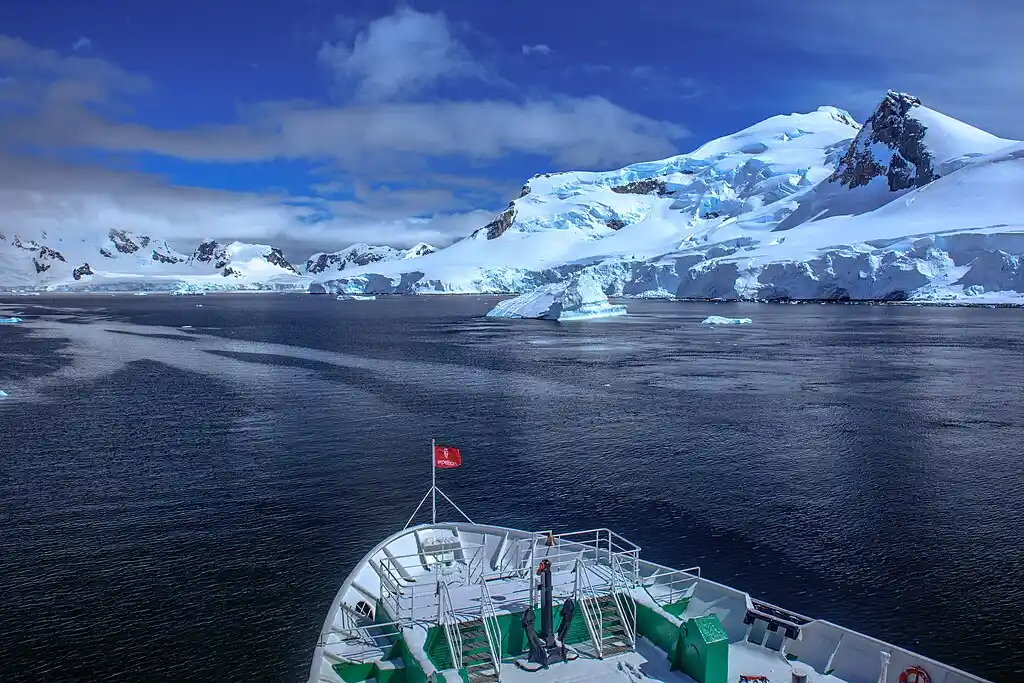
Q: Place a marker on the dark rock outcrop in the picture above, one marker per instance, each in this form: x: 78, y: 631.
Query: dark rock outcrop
x: 615, y: 223
x: 29, y: 246
x: 501, y: 223
x: 894, y: 126
x: 40, y: 266
x: 81, y: 271
x: 163, y: 258
x: 227, y: 272
x: 209, y: 251
x: 123, y: 242
x: 525, y: 191
x: 647, y: 186
x: 106, y: 253
x: 276, y: 258
x: 339, y: 260
x: 51, y: 254
x: 321, y: 263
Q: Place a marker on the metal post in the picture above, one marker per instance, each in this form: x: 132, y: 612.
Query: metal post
x: 433, y: 483
x: 885, y: 667
x: 529, y: 570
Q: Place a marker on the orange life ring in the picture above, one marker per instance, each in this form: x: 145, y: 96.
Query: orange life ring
x: 915, y: 674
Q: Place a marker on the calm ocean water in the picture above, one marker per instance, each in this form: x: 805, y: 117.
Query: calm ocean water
x: 182, y: 504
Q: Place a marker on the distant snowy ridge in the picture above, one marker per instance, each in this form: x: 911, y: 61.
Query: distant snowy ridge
x: 124, y: 260
x: 362, y: 255
x: 912, y: 205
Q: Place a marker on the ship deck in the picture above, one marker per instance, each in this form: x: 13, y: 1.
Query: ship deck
x: 454, y: 596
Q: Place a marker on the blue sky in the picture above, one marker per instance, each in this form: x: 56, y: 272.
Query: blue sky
x: 313, y: 124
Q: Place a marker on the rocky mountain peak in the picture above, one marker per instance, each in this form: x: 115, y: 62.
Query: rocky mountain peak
x: 890, y: 144
x: 211, y: 250
x: 276, y: 258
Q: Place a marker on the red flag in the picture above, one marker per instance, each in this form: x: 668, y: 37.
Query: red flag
x: 446, y: 457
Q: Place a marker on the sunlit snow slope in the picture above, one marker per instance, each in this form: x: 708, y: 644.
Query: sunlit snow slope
x: 913, y: 205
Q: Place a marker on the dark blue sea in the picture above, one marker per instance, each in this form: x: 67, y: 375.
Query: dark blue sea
x: 182, y: 503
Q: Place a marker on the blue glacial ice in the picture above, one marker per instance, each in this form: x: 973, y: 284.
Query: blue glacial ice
x: 581, y: 297
x: 10, y: 321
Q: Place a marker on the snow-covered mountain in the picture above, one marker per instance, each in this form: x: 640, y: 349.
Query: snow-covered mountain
x: 914, y: 204
x: 126, y: 260
x: 361, y: 255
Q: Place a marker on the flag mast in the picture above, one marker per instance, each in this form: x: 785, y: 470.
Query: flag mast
x: 433, y: 482
x: 451, y: 458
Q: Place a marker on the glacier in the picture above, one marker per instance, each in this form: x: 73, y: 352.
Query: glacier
x: 912, y: 205
x: 581, y: 297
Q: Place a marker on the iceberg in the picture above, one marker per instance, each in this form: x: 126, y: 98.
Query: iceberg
x: 581, y: 297
x: 3, y: 394
x: 721, y: 320
x: 10, y: 321
x: 356, y: 297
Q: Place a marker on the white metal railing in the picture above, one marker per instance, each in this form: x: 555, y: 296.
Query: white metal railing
x: 409, y: 596
x: 361, y: 643
x: 583, y: 591
x: 599, y: 546
x: 675, y: 584
x: 446, y: 617
x: 492, y: 628
x: 624, y: 603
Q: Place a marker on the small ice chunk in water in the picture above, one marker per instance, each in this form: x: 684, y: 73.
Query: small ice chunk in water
x: 720, y: 320
x: 10, y: 321
x: 3, y: 394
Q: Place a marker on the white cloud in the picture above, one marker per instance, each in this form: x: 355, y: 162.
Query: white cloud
x: 82, y: 43
x: 56, y: 103
x: 537, y: 49
x: 573, y: 132
x: 78, y: 201
x: 398, y: 56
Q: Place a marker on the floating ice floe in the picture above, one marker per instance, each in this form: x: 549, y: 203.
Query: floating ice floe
x: 10, y: 321
x: 720, y: 320
x: 3, y: 394
x: 581, y: 297
x: 356, y: 297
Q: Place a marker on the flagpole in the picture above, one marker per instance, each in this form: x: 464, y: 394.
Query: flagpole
x: 433, y: 485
